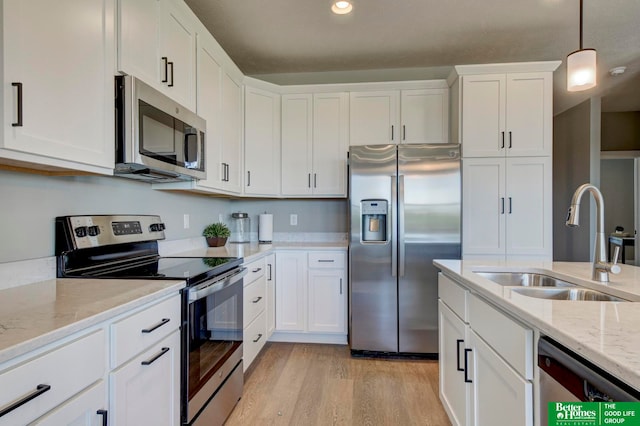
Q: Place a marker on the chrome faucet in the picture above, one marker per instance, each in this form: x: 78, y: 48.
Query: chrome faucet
x: 601, y: 267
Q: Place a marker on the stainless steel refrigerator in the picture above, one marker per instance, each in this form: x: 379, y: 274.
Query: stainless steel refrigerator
x: 404, y: 212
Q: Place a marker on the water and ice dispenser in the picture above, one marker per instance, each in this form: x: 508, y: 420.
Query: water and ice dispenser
x: 374, y: 220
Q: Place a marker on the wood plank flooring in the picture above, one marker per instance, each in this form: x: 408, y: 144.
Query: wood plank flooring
x: 310, y: 384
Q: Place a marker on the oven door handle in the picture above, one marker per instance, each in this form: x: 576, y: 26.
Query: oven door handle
x: 204, y: 290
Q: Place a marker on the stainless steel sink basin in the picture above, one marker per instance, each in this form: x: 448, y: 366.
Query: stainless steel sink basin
x: 524, y: 279
x: 567, y: 294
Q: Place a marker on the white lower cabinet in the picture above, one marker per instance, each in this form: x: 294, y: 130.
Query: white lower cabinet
x: 146, y: 390
x: 254, y: 306
x: 500, y: 395
x: 311, y: 296
x: 124, y: 371
x: 270, y: 311
x: 486, y: 361
x: 89, y: 408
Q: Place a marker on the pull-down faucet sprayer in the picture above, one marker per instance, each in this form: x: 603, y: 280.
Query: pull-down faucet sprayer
x: 601, y: 267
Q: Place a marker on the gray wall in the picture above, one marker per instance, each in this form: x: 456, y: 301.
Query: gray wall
x: 617, y: 186
x: 30, y: 203
x: 621, y: 131
x: 313, y: 215
x: 576, y: 146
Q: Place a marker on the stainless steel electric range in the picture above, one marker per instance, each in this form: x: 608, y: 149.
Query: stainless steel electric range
x: 126, y: 247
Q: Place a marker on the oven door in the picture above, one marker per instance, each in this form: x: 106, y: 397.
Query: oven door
x: 212, y: 338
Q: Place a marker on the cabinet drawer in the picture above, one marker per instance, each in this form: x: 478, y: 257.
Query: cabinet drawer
x: 326, y: 259
x: 136, y: 333
x: 510, y: 339
x: 255, y: 270
x: 453, y: 295
x: 254, y: 338
x: 254, y: 300
x: 67, y: 370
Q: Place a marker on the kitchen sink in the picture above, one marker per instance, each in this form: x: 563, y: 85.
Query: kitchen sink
x: 524, y: 279
x: 567, y: 294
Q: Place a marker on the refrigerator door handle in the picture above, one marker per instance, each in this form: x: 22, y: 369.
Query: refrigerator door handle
x: 401, y: 224
x: 394, y: 215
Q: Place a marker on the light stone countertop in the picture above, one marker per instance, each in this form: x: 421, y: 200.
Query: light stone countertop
x: 254, y: 251
x: 606, y: 333
x: 37, y: 314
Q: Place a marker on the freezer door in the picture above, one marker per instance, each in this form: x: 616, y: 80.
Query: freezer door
x: 429, y: 228
x: 373, y: 324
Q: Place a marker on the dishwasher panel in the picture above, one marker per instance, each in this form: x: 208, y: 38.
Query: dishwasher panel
x: 567, y: 377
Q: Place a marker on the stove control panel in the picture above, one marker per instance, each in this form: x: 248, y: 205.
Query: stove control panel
x: 101, y: 230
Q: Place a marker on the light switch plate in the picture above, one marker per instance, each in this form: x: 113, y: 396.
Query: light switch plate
x: 293, y: 220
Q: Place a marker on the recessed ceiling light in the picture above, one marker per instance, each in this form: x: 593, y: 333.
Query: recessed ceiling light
x: 341, y: 7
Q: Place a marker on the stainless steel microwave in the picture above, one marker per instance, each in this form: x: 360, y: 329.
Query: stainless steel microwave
x: 157, y: 139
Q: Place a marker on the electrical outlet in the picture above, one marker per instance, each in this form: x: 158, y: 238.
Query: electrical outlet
x: 293, y: 220
x: 186, y: 221
x: 220, y: 218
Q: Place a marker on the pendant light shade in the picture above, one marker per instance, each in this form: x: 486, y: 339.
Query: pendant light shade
x: 581, y: 70
x: 581, y: 66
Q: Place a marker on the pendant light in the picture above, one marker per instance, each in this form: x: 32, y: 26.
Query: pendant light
x: 341, y: 7
x: 581, y: 66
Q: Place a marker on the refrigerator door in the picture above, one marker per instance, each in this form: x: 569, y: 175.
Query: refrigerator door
x: 373, y: 281
x: 429, y: 228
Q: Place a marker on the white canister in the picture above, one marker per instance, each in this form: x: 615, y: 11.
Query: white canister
x: 265, y: 228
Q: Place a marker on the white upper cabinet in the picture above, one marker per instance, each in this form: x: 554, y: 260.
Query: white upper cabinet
x: 425, y: 116
x: 157, y: 43
x: 507, y: 114
x: 314, y: 144
x: 297, y: 141
x: 58, y: 84
x: 412, y: 116
x: 209, y: 107
x: 330, y: 143
x: 508, y: 208
x: 232, y: 133
x: 374, y: 117
x: 261, y: 142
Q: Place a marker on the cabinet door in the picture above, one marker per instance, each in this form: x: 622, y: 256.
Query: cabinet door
x: 327, y: 301
x: 529, y: 229
x: 178, y: 45
x: 58, y: 80
x: 89, y: 408
x: 529, y: 120
x: 484, y: 204
x: 231, y: 133
x: 291, y: 284
x: 209, y: 107
x: 425, y: 116
x: 270, y: 310
x: 261, y: 142
x: 374, y: 118
x: 330, y: 143
x: 134, y: 401
x: 139, y: 39
x: 483, y: 115
x: 297, y: 140
x: 454, y: 391
x: 500, y: 395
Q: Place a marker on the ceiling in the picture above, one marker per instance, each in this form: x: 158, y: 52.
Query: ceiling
x: 302, y: 42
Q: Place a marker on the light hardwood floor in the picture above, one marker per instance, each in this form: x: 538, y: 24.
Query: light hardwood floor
x: 308, y: 384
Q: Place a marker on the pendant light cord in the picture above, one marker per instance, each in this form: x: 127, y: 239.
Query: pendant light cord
x: 580, y: 24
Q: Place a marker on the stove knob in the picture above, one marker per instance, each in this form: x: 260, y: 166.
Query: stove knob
x: 161, y: 226
x: 81, y: 231
x: 92, y: 231
x: 156, y: 227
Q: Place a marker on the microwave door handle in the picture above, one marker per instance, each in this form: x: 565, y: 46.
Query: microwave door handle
x: 189, y: 140
x: 157, y: 173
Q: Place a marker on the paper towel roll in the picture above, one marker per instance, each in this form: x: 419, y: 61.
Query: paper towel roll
x: 265, y: 228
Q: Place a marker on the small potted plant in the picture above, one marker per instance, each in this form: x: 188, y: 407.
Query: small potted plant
x: 216, y: 234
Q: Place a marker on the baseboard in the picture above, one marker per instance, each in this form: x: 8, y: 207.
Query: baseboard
x: 292, y: 337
